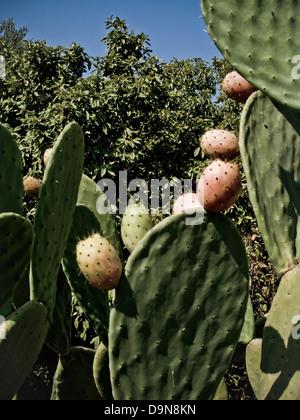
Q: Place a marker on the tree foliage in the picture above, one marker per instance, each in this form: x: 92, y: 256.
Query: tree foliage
x: 138, y: 113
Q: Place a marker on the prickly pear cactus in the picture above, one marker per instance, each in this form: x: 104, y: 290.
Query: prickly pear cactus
x: 94, y: 302
x: 22, y: 337
x: 11, y: 174
x: 91, y: 196
x: 16, y: 240
x: 59, y: 333
x: 270, y: 150
x: 136, y: 222
x: 54, y: 213
x: 273, y: 363
x: 179, y: 311
x: 73, y: 379
x: 246, y: 33
x: 101, y: 372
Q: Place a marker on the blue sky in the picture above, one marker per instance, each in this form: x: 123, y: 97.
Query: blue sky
x: 175, y: 27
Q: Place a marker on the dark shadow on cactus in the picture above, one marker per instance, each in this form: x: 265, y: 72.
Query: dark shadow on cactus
x: 126, y: 303
x: 284, y: 360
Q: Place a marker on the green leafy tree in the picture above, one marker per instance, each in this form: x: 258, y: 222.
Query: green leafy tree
x: 138, y: 113
x: 11, y: 38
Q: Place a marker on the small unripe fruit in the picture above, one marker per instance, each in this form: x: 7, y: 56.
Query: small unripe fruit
x: 32, y: 186
x: 237, y: 87
x: 99, y: 262
x: 222, y: 183
x: 186, y: 202
x: 220, y: 144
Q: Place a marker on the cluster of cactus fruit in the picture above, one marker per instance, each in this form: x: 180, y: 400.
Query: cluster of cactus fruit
x: 181, y: 301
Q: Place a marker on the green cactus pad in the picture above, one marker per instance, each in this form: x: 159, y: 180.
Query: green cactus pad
x: 11, y: 174
x: 94, y: 302
x: 59, y: 333
x: 279, y: 373
x: 248, y: 330
x: 54, y: 214
x: 16, y: 240
x: 136, y: 222
x: 179, y: 311
x: 73, y: 379
x: 270, y: 150
x: 101, y: 372
x: 88, y: 195
x: 25, y: 331
x: 261, y: 39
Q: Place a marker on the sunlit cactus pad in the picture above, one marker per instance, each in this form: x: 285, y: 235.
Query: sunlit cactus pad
x: 270, y: 150
x: 54, y: 214
x: 179, y: 311
x: 261, y: 39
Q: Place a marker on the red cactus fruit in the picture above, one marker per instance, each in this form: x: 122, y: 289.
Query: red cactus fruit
x: 222, y: 183
x: 237, y: 87
x: 220, y: 144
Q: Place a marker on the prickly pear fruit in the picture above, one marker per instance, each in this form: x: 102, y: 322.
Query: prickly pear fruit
x: 99, y: 262
x: 32, y: 186
x: 237, y: 87
x: 220, y: 144
x: 222, y: 183
x: 136, y: 222
x: 186, y: 202
x: 47, y: 155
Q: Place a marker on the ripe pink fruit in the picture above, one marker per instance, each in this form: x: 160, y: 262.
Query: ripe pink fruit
x: 220, y: 144
x: 236, y: 87
x: 99, y: 262
x: 222, y: 184
x: 186, y: 202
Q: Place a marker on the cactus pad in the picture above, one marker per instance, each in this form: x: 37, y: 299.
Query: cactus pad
x: 59, y: 333
x: 25, y: 332
x: 73, y: 379
x: 270, y: 150
x: 94, y: 303
x: 179, y: 311
x: 278, y: 369
x: 54, y: 214
x: 101, y: 372
x: 11, y: 174
x: 247, y: 34
x: 88, y: 195
x: 16, y: 239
